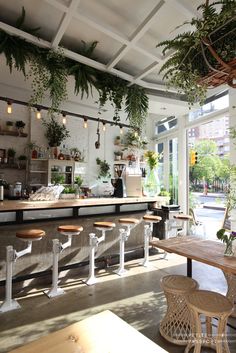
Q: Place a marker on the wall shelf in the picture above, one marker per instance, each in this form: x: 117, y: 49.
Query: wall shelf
x: 13, y: 133
x: 12, y: 166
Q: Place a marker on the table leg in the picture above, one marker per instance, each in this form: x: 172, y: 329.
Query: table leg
x: 189, y: 267
x: 231, y: 292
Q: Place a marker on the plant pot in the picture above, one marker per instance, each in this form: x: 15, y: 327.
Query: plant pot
x: 67, y: 196
x: 54, y: 152
x: 9, y: 127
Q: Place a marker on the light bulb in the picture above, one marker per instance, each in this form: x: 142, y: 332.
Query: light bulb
x: 121, y: 130
x: 9, y: 108
x: 38, y: 114
x: 64, y: 119
x: 85, y: 123
x: 135, y: 134
x: 104, y: 127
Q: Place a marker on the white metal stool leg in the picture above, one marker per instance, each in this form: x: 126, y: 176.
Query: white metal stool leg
x: 93, y: 242
x: 57, y: 249
x: 11, y: 256
x: 148, y: 228
x: 124, y: 235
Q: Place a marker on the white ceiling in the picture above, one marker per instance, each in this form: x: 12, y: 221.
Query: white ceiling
x: 127, y: 32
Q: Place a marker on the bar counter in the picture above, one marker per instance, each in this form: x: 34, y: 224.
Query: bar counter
x: 49, y: 215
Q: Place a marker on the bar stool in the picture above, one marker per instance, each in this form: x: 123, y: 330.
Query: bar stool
x: 231, y: 292
x: 176, y: 325
x: 26, y: 235
x: 57, y: 248
x: 149, y: 220
x: 211, y: 305
x: 93, y: 242
x: 129, y: 224
x: 177, y: 223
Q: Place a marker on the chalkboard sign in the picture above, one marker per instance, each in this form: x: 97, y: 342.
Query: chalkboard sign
x: 226, y: 222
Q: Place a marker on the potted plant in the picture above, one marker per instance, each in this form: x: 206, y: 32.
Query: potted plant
x: 204, y: 57
x: 57, y: 179
x: 118, y: 155
x: 104, y: 169
x: 22, y: 161
x: 20, y: 126
x: 117, y: 140
x: 55, y: 133
x: 9, y: 125
x: 11, y: 155
x: 78, y: 183
x: 69, y: 192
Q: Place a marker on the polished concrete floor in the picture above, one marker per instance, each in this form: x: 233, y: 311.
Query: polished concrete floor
x: 137, y: 298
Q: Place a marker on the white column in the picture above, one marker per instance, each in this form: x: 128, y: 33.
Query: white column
x: 183, y: 179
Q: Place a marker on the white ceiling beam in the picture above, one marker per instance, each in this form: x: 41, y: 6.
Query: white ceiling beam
x: 109, y: 32
x: 138, y: 33
x: 146, y: 71
x: 67, y: 17
x: 58, y: 5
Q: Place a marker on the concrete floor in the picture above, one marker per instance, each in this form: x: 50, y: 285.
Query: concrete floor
x: 137, y: 298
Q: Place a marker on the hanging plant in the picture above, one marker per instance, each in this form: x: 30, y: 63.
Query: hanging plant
x: 85, y: 76
x: 136, y: 106
x: 111, y: 88
x: 16, y: 50
x: 205, y: 57
x: 49, y: 73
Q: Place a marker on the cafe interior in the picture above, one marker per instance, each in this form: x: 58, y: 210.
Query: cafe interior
x: 117, y: 152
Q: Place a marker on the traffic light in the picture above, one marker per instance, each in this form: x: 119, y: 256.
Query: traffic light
x: 193, y: 158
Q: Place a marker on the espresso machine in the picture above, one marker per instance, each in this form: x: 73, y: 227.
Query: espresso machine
x: 118, y: 182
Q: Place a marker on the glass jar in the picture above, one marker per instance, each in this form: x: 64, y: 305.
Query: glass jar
x: 151, y: 185
x: 229, y: 249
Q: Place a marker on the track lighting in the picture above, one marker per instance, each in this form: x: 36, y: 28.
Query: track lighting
x: 85, y: 123
x: 64, y: 119
x: 9, y: 107
x: 38, y: 114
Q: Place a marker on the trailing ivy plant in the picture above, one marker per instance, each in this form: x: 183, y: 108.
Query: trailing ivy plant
x: 136, y: 106
x: 188, y: 64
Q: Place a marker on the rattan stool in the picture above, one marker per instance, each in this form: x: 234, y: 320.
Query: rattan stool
x: 231, y: 292
x: 93, y: 242
x: 57, y: 248
x: 26, y: 235
x: 176, y: 325
x: 149, y: 220
x: 129, y: 224
x: 211, y: 305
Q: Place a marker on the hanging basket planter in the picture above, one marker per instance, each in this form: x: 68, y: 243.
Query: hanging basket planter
x: 206, y: 57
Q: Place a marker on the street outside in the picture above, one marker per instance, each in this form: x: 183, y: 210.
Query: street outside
x: 209, y: 210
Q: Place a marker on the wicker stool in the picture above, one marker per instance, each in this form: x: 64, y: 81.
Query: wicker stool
x: 129, y: 224
x: 69, y: 231
x: 93, y: 242
x: 211, y: 305
x: 149, y: 220
x: 176, y: 325
x: 27, y: 235
x: 231, y: 292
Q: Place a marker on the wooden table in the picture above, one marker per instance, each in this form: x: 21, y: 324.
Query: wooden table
x: 207, y: 251
x: 101, y: 333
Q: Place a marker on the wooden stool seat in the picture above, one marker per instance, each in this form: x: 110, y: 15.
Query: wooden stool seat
x: 176, y: 325
x: 70, y: 228
x: 30, y: 234
x: 129, y: 220
x: 152, y: 218
x: 104, y: 225
x: 183, y: 217
x: 207, y: 305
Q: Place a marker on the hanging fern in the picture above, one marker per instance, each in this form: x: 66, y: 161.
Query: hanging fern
x: 185, y: 68
x: 136, y: 106
x: 84, y: 75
